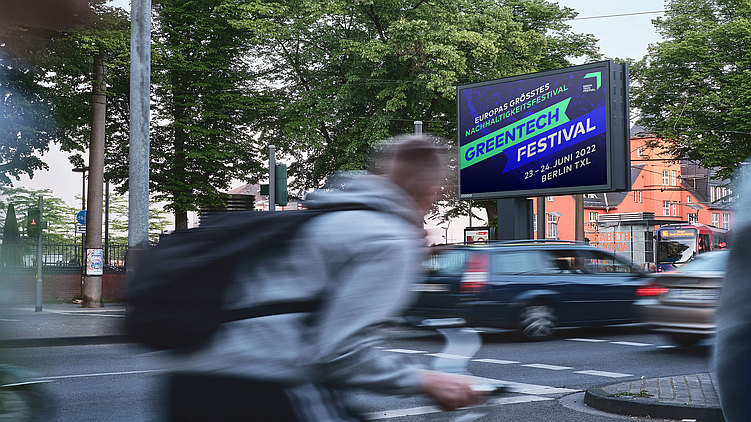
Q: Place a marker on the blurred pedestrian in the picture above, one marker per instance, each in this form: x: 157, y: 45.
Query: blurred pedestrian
x: 733, y: 349
x: 361, y: 265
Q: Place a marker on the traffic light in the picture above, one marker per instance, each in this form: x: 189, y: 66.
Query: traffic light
x: 280, y: 184
x: 34, y: 223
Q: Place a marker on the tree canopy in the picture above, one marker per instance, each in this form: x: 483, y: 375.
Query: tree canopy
x: 694, y: 88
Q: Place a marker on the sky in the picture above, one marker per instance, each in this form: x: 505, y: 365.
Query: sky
x: 619, y: 36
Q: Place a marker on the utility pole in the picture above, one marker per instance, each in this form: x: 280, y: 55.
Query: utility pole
x: 38, y: 307
x: 92, y: 280
x: 579, y: 217
x: 138, y: 167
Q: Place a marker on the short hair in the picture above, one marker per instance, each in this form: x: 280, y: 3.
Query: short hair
x: 416, y: 163
x: 426, y: 152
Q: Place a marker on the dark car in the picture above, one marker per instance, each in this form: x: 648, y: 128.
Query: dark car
x: 682, y: 303
x: 532, y: 286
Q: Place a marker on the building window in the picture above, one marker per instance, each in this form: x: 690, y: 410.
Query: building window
x: 672, y: 178
x: 665, y: 177
x: 552, y: 226
x: 716, y: 219
x: 550, y: 199
x: 666, y: 208
x: 592, y: 216
x: 688, y: 199
x: 637, y: 196
x: 534, y: 223
x: 693, y: 218
x: 675, y: 209
x: 726, y: 221
x: 639, y: 152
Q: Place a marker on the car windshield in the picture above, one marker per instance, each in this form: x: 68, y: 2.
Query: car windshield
x: 447, y: 262
x: 707, y: 262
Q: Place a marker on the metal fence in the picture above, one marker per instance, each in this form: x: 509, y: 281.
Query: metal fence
x: 69, y: 256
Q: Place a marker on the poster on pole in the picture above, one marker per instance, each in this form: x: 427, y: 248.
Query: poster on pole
x: 94, y: 261
x: 563, y: 131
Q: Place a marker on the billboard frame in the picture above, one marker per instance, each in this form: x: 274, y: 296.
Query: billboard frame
x: 617, y: 134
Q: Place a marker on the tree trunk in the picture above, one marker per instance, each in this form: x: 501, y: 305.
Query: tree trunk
x: 181, y: 220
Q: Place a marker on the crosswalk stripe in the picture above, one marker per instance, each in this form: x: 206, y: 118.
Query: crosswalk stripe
x: 587, y: 340
x: 423, y: 410
x: 544, y: 366
x: 407, y: 351
x: 448, y: 356
x: 631, y: 343
x: 497, y: 361
x: 603, y: 374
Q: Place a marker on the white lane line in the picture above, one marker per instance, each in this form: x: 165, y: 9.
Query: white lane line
x: 667, y: 346
x: 603, y: 374
x: 496, y: 361
x: 448, y: 356
x: 631, y: 343
x: 424, y: 410
x: 407, y: 351
x: 521, y: 388
x: 96, y: 315
x: 587, y: 340
x: 9, y: 320
x: 103, y: 374
x: 544, y: 366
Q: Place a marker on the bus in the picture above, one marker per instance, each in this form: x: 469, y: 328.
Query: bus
x: 678, y: 244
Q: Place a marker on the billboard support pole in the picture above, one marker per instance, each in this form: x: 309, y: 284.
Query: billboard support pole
x: 542, y: 222
x: 514, y: 218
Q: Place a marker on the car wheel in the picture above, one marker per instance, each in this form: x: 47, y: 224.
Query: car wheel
x: 685, y: 340
x: 537, y: 321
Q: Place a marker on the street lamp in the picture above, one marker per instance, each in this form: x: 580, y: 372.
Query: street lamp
x: 83, y: 171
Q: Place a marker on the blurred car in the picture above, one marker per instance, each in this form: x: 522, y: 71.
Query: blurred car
x: 682, y: 303
x: 533, y: 286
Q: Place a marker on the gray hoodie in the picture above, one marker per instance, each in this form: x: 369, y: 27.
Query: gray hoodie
x: 361, y: 262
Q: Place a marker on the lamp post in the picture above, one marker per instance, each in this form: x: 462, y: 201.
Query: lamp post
x: 83, y: 171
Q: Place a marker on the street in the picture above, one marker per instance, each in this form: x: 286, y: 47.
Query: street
x: 122, y: 382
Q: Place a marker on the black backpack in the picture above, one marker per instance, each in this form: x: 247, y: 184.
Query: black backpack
x: 176, y: 292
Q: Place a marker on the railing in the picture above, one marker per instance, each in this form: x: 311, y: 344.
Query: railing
x: 63, y: 256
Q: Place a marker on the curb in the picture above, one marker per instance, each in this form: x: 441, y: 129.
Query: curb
x: 64, y: 341
x: 597, y: 398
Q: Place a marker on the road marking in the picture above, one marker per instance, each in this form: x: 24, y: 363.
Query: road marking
x: 497, y: 361
x: 587, y: 340
x: 631, y: 343
x: 603, y: 374
x: 103, y: 374
x: 87, y: 314
x: 424, y: 410
x: 406, y: 351
x: 448, y: 356
x: 544, y: 366
x: 667, y: 346
x: 9, y: 320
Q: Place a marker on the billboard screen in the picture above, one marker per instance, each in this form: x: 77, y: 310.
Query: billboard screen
x: 547, y: 133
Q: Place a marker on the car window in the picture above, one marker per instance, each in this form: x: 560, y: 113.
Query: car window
x: 597, y: 262
x: 445, y: 263
x: 518, y: 262
x: 566, y: 262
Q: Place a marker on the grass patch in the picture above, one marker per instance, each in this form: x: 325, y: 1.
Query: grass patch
x: 642, y: 393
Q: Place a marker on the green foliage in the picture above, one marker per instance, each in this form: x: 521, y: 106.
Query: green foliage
x: 344, y: 75
x: 694, y: 88
x: 59, y: 216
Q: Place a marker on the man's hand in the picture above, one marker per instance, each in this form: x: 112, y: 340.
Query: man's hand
x: 450, y: 391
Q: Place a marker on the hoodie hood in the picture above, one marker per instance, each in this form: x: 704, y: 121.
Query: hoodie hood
x: 368, y: 191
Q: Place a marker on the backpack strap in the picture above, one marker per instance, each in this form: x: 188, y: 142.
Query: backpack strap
x: 270, y: 309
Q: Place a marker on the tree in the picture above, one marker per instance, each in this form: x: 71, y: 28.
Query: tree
x: 200, y: 138
x: 344, y: 75
x: 693, y: 87
x: 10, y: 250
x: 59, y: 216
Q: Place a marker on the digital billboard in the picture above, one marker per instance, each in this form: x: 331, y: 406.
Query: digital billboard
x: 547, y: 133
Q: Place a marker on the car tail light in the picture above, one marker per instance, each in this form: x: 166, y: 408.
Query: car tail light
x: 476, y: 275
x: 651, y: 290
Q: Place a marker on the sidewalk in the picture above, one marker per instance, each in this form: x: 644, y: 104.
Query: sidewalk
x: 61, y: 325
x: 690, y: 397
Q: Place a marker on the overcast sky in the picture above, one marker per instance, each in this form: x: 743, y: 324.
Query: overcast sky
x: 619, y: 36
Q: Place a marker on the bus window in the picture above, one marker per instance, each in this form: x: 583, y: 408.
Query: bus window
x: 676, y: 246
x: 703, y: 243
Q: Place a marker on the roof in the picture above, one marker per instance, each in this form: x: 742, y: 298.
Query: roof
x: 611, y: 199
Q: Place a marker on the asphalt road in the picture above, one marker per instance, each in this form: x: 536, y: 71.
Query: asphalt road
x: 122, y: 382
